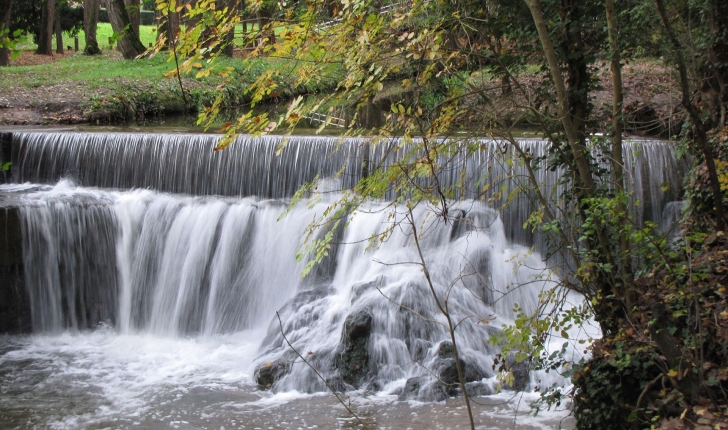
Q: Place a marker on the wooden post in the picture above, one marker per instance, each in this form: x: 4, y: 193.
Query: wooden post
x: 75, y: 43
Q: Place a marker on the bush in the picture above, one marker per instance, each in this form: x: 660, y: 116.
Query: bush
x: 147, y: 17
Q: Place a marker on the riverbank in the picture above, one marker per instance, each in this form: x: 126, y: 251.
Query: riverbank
x: 73, y: 88
x: 77, y: 89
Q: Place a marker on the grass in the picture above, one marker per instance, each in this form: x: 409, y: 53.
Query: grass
x: 94, y: 71
x: 125, y: 88
x: 104, y: 32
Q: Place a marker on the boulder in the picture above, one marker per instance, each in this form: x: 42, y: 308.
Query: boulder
x: 270, y: 373
x: 412, y: 388
x: 352, y: 359
x: 436, y: 391
x: 445, y: 350
x: 478, y: 389
x: 521, y: 376
x: 447, y: 371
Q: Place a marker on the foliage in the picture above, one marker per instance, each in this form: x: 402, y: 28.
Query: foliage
x: 419, y: 62
x: 634, y: 377
x: 699, y: 213
x: 25, y: 17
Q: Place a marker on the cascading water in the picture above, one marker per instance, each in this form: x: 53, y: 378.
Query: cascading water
x: 211, y: 265
x: 250, y: 167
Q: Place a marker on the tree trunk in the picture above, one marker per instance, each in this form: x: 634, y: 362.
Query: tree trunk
x: 133, y: 8
x: 229, y: 48
x: 45, y: 37
x: 569, y: 109
x: 168, y: 27
x: 5, y: 7
x: 572, y: 132
x: 618, y: 159
x: 59, y: 35
x: 716, y: 82
x: 129, y: 43
x: 700, y: 132
x: 90, y: 22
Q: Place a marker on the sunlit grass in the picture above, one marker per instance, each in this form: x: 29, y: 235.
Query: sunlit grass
x: 104, y: 33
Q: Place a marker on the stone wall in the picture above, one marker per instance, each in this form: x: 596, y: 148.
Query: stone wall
x: 14, y: 307
x: 6, y: 140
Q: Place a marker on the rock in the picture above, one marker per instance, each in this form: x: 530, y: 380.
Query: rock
x: 418, y: 348
x: 462, y: 224
x: 353, y: 357
x: 521, y: 376
x: 357, y: 326
x: 412, y: 388
x: 447, y: 371
x: 338, y: 385
x: 362, y: 288
x: 436, y: 391
x: 273, y: 339
x: 375, y: 386
x: 270, y: 373
x: 445, y: 350
x: 476, y: 389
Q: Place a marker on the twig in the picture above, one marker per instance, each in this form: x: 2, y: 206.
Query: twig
x: 280, y: 323
x: 446, y: 313
x: 647, y: 388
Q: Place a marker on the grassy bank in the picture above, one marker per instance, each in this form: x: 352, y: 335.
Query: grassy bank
x: 79, y: 88
x: 104, y: 33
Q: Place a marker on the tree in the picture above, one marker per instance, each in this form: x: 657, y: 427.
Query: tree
x: 45, y: 36
x: 133, y: 9
x: 424, y: 63
x: 715, y: 80
x: 90, y: 21
x: 128, y: 39
x: 59, y: 35
x: 6, y: 7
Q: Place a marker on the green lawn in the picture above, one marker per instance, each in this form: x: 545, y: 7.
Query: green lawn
x: 93, y: 71
x: 104, y: 32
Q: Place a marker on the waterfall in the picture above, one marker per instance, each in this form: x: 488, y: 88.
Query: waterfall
x: 175, y: 265
x: 159, y: 235
x: 186, y: 164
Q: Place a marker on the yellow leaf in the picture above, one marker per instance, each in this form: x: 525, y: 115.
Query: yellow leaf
x: 672, y: 373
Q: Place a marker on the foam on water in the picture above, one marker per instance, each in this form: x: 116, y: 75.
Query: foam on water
x: 155, y: 310
x: 71, y: 379
x: 185, y: 290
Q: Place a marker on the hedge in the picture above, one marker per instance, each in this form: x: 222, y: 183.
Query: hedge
x: 147, y: 16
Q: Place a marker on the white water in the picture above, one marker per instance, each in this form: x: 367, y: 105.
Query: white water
x: 103, y: 379
x: 154, y: 310
x: 186, y: 289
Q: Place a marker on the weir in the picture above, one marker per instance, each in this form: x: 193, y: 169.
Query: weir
x: 186, y: 164
x: 158, y: 235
